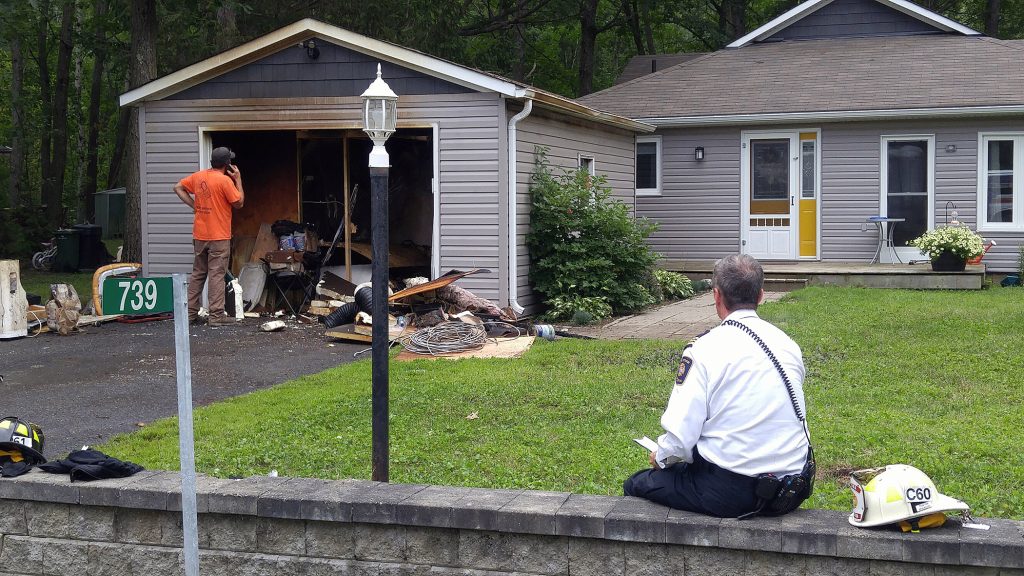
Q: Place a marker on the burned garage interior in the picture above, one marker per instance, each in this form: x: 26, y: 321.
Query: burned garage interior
x: 307, y: 207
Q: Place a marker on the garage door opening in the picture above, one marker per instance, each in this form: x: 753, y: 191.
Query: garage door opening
x: 320, y: 179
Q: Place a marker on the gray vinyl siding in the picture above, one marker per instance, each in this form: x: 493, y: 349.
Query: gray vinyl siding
x: 565, y: 139
x: 338, y: 71
x: 698, y: 212
x: 699, y: 209
x: 471, y: 185
x: 853, y: 18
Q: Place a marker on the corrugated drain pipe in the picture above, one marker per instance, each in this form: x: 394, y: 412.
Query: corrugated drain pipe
x: 513, y: 268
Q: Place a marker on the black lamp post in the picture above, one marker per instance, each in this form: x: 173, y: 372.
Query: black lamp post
x: 379, y: 105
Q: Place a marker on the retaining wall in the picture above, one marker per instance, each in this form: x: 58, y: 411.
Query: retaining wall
x: 294, y: 526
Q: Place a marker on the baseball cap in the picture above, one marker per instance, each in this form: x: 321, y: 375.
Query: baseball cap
x: 221, y: 157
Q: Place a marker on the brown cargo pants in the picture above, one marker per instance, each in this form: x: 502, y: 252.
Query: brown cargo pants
x: 211, y: 260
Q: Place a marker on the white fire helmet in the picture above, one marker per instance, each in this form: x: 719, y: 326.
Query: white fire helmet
x: 894, y: 493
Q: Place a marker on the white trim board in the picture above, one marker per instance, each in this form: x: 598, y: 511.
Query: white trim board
x: 812, y: 6
x: 834, y: 116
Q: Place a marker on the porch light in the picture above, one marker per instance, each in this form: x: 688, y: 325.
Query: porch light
x: 698, y: 153
x: 379, y: 105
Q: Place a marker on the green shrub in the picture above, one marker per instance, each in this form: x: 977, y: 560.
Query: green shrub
x: 22, y: 230
x: 673, y: 284
x: 1020, y: 261
x: 569, y: 306
x: 584, y: 243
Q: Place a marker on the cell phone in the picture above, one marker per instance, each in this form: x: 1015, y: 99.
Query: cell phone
x: 231, y: 169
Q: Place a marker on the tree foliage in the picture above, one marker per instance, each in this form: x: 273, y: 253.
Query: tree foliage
x: 63, y: 63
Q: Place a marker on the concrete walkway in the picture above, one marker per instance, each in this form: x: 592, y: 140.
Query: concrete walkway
x: 677, y: 321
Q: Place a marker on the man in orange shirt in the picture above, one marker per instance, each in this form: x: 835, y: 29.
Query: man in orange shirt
x: 211, y: 194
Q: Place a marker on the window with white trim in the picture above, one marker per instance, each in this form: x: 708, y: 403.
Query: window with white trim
x: 648, y: 166
x: 586, y: 163
x: 1000, y: 174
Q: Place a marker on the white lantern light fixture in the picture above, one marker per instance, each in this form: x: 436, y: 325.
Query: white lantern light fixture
x: 379, y: 106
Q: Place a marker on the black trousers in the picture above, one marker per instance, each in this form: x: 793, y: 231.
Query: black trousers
x: 698, y: 487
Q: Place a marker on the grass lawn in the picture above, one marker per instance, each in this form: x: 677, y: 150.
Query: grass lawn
x: 926, y: 378
x: 38, y: 283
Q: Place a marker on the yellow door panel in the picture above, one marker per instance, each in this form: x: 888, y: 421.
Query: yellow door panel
x: 808, y: 227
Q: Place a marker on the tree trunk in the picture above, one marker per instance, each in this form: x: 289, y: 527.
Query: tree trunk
x: 633, y: 22
x: 115, y: 172
x: 519, y: 43
x: 45, y: 102
x: 588, y: 44
x: 143, y: 69
x: 992, y: 18
x: 735, y: 16
x: 645, y: 20
x: 54, y: 204
x: 17, y: 122
x: 89, y: 187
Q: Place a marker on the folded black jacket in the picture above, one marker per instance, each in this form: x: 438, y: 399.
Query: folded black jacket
x: 91, y: 465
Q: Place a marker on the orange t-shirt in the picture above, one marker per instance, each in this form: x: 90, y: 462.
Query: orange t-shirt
x: 214, y: 192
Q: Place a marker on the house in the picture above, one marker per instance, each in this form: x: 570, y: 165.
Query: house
x: 782, y: 144
x: 288, y: 104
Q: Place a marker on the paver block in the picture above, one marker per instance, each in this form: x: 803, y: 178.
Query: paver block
x: 41, y: 487
x: 758, y: 533
x: 638, y: 520
x: 478, y: 509
x: 583, y: 515
x: 869, y: 543
x: 333, y: 501
x: 378, y: 505
x: 108, y: 492
x: 1000, y: 545
x: 431, y: 506
x: 692, y: 529
x: 286, y: 499
x: 532, y: 512
x: 811, y: 532
x: 240, y: 496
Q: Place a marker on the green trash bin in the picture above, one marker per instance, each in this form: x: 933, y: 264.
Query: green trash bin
x: 66, y: 259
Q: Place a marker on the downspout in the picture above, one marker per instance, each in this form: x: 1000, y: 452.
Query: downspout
x: 513, y: 269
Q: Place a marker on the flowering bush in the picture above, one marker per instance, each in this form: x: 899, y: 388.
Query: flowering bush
x: 959, y: 240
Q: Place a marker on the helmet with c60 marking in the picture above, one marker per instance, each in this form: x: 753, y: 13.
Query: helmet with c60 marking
x: 21, y: 440
x: 898, y: 493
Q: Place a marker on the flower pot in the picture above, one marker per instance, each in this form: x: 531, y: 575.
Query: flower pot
x: 949, y: 262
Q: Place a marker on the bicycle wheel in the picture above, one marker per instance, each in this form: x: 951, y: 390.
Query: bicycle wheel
x: 38, y: 261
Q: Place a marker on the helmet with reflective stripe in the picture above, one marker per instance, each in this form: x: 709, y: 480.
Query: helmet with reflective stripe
x: 894, y: 493
x: 24, y: 437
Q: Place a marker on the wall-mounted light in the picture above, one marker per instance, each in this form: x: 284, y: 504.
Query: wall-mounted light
x: 311, y: 50
x: 950, y: 148
x: 698, y: 153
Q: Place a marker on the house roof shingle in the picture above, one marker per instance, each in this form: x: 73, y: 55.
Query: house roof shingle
x: 828, y: 75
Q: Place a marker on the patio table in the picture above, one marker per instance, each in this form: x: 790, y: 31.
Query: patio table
x: 885, y: 227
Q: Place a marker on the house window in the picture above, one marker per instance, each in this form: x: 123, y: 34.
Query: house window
x: 1000, y: 173
x: 586, y: 163
x: 648, y: 166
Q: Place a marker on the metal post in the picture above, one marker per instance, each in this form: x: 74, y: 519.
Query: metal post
x: 379, y: 233
x: 186, y: 440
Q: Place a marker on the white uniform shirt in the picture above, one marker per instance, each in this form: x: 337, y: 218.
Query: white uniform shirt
x: 732, y: 404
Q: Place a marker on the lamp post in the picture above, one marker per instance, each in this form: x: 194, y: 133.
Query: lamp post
x: 379, y: 105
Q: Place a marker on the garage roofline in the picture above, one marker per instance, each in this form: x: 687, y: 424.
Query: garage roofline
x: 309, y: 28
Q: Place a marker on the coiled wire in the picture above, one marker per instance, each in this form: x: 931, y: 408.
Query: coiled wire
x: 446, y: 338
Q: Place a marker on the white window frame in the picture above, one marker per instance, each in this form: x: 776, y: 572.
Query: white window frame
x: 656, y: 191
x: 589, y: 161
x: 1018, y: 182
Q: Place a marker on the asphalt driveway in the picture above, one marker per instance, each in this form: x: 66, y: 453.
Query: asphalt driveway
x: 105, y: 380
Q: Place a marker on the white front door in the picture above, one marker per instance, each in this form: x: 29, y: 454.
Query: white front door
x: 908, y: 174
x: 769, y: 178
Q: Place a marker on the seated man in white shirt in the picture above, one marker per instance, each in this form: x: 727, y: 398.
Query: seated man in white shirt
x: 730, y: 417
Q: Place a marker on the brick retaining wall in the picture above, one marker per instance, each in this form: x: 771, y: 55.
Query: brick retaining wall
x: 294, y: 526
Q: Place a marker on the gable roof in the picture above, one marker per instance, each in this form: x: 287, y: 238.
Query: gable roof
x: 807, y: 8
x: 838, y: 78
x: 308, y: 28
